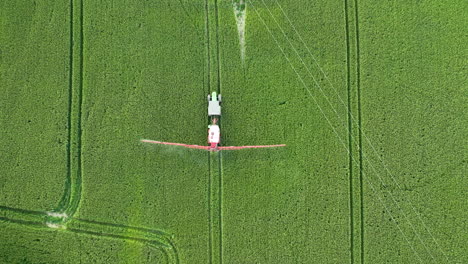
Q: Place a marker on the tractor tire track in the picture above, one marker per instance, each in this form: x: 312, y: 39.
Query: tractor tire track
x: 215, y: 207
x: 356, y: 200
x: 169, y: 252
x: 21, y: 215
x: 207, y: 44
x: 210, y: 217
x: 141, y: 229
x: 22, y: 222
x: 213, y: 83
x: 76, y: 191
x: 210, y: 174
x: 71, y: 197
x: 22, y: 211
x: 350, y: 131
x: 358, y: 86
x: 218, y: 61
x: 220, y: 206
x: 220, y: 174
x: 150, y: 237
x: 65, y: 196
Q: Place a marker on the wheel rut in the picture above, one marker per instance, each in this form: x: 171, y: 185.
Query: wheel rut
x: 71, y: 197
x: 157, y: 239
x: 213, y: 83
x: 356, y: 200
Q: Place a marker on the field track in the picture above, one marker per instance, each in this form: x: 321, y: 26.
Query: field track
x: 72, y: 193
x: 215, y: 190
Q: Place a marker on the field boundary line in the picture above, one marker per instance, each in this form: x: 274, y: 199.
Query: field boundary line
x: 360, y: 130
x: 333, y: 128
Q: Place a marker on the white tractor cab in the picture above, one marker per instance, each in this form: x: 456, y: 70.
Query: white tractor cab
x: 214, y: 111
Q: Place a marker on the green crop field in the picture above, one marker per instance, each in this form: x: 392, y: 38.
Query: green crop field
x: 369, y: 97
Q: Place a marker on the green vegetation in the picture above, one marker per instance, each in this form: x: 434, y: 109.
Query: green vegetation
x: 147, y: 85
x: 28, y: 245
x: 368, y: 97
x: 413, y: 94
x: 33, y: 103
x: 281, y: 205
